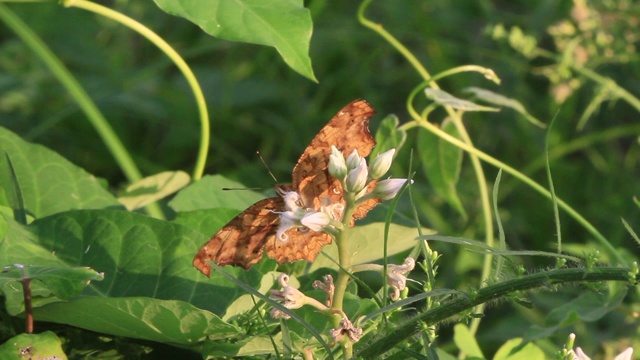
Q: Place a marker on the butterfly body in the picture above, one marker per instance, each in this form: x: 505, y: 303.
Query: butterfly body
x: 244, y: 239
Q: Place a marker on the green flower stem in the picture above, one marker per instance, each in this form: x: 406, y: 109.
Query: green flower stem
x: 344, y: 258
x: 461, y: 304
x: 175, y: 57
x: 456, y: 117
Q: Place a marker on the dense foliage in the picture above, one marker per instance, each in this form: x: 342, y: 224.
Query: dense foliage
x: 517, y: 122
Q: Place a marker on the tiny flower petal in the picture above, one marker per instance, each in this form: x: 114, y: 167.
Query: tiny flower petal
x: 388, y: 189
x: 316, y: 221
x: 346, y: 328
x: 396, y: 277
x: 337, y: 167
x: 288, y: 220
x: 381, y: 164
x: 357, y: 178
x: 291, y: 200
x: 625, y: 355
x: 353, y: 160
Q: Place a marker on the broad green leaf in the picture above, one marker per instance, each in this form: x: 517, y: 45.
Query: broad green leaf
x: 63, y: 282
x: 167, y: 321
x: 42, y: 346
x: 501, y: 100
x: 253, y: 346
x: 444, y: 98
x: 388, y: 136
x: 208, y: 193
x: 153, y: 188
x: 49, y: 183
x: 146, y: 263
x: 366, y: 242
x: 466, y: 342
x: 587, y: 307
x: 284, y: 24
x: 441, y: 162
x: 511, y: 350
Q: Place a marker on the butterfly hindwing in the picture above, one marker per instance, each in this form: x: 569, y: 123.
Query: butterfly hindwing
x: 241, y: 241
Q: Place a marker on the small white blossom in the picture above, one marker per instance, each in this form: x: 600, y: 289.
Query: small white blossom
x: 288, y: 220
x: 316, y: 221
x: 291, y: 298
x: 381, y: 164
x: 396, y: 276
x: 357, y: 177
x: 346, y: 328
x: 388, y: 189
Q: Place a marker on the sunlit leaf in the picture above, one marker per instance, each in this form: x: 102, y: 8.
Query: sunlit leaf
x: 501, y: 100
x: 444, y: 98
x: 284, y: 24
x: 153, y: 188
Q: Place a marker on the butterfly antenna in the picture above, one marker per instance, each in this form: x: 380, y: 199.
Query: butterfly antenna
x: 256, y: 188
x: 267, y: 167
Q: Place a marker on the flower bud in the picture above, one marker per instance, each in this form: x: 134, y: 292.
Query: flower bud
x: 388, y: 189
x: 337, y: 164
x: 353, y: 160
x: 381, y: 164
x: 357, y: 178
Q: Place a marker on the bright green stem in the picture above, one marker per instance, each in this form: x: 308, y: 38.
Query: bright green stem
x: 67, y: 80
x: 344, y: 259
x: 175, y: 57
x: 95, y: 117
x: 465, y: 302
x: 456, y: 117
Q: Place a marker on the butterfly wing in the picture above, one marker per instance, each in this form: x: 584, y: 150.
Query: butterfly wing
x: 348, y: 130
x: 242, y: 240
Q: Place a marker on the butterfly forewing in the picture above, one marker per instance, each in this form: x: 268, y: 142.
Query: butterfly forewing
x: 347, y: 130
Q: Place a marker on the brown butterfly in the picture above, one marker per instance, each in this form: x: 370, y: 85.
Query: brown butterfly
x: 243, y: 240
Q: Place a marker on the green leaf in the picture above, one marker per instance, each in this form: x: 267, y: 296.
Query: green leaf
x: 466, y: 342
x: 49, y: 183
x: 388, y: 136
x: 284, y: 24
x: 501, y: 100
x: 444, y: 98
x: 63, y: 282
x: 513, y: 350
x: 167, y: 321
x: 441, y: 162
x: 45, y: 345
x: 587, y: 307
x: 366, y: 243
x: 147, y: 267
x: 153, y: 188
x: 208, y: 193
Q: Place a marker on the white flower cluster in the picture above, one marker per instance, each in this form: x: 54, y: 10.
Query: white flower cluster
x: 354, y: 175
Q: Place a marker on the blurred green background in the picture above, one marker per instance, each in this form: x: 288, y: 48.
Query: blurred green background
x: 257, y: 103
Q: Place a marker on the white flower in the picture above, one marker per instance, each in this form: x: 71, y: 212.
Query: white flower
x: 316, y: 221
x: 396, y: 277
x: 346, y: 328
x: 288, y: 220
x: 381, y: 164
x: 291, y: 298
x: 357, y: 177
x: 388, y: 189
